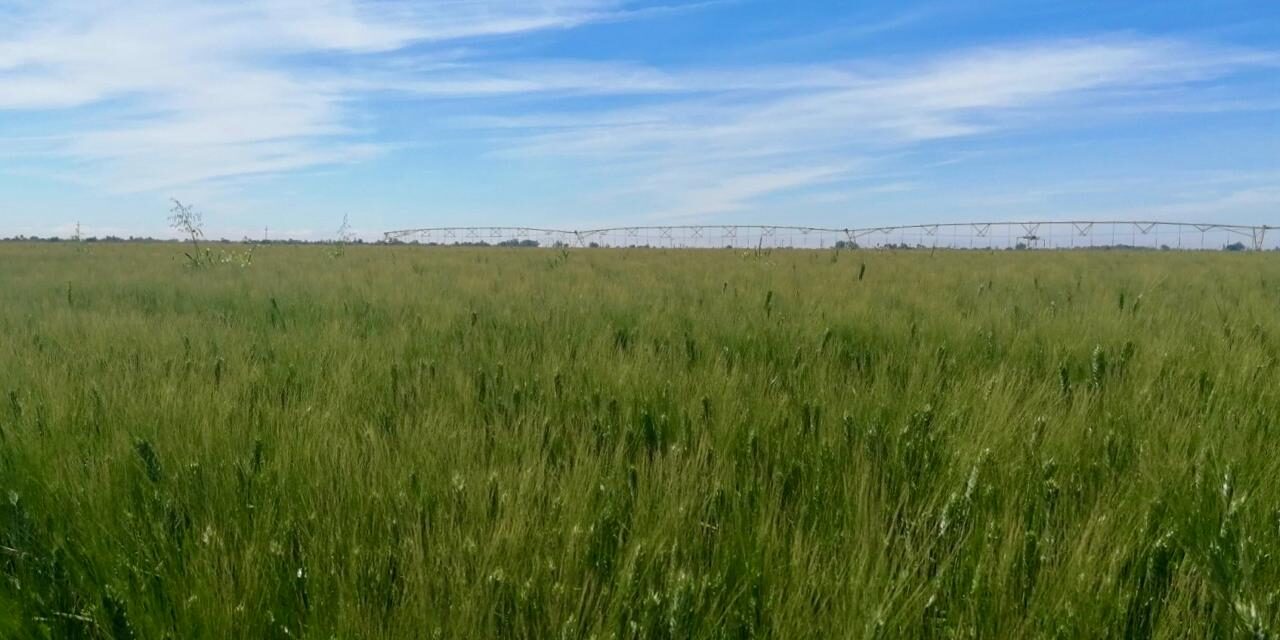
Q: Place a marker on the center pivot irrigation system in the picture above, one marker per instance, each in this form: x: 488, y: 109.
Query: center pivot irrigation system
x: 1056, y: 234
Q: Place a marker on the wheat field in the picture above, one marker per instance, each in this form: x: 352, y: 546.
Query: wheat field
x: 402, y: 442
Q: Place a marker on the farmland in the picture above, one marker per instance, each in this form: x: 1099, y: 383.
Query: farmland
x: 406, y: 442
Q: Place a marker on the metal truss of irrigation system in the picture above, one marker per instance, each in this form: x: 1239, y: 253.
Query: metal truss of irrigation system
x: 1034, y: 234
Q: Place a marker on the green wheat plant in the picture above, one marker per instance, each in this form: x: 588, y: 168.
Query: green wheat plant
x: 417, y: 442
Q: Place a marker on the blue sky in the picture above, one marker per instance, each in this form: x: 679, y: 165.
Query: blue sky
x: 289, y: 114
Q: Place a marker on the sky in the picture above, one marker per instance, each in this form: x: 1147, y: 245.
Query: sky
x: 284, y: 116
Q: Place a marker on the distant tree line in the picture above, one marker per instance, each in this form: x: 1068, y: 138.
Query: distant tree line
x: 526, y: 243
x: 148, y: 239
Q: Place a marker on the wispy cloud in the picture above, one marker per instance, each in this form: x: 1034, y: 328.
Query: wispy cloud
x: 740, y: 129
x: 184, y: 94
x: 203, y: 90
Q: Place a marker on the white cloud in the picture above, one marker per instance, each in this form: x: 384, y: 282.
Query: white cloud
x: 954, y: 94
x: 194, y: 92
x: 733, y: 193
x: 207, y: 89
x: 749, y: 130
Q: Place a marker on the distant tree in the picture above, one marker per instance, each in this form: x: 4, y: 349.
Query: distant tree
x: 1235, y: 246
x: 186, y: 220
x: 344, y: 236
x: 513, y: 242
